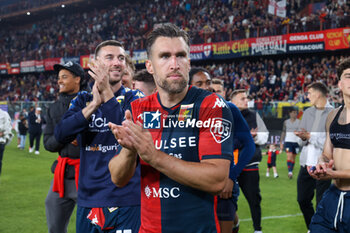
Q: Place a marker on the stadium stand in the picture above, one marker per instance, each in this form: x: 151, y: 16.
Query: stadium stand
x: 74, y: 34
x: 274, y: 79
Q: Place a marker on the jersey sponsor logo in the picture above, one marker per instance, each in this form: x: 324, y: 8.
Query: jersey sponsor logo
x: 179, y: 155
x: 102, y: 148
x: 221, y: 129
x: 173, y: 192
x: 219, y: 103
x: 181, y: 142
x: 189, y: 123
x: 98, y: 122
x: 151, y: 120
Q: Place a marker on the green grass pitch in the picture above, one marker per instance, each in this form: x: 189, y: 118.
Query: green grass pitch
x: 26, y: 177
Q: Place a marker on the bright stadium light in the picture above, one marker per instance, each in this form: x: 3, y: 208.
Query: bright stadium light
x: 28, y: 13
x: 63, y: 6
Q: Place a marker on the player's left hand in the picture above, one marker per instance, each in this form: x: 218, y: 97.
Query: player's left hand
x: 121, y: 132
x: 99, y: 72
x: 132, y: 136
x: 227, y: 192
x: 96, y: 98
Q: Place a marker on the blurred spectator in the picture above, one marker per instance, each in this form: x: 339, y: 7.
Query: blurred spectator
x: 5, y: 133
x: 22, y: 130
x: 35, y: 121
x: 129, y: 72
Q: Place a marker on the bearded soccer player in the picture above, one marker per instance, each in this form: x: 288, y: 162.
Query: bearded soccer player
x: 183, y: 137
x: 101, y: 205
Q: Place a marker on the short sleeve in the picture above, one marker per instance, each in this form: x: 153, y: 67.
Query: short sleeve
x: 215, y: 135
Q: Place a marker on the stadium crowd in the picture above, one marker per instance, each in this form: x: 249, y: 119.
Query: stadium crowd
x: 206, y: 21
x: 41, y: 87
x: 283, y: 79
x: 278, y: 79
x: 266, y: 80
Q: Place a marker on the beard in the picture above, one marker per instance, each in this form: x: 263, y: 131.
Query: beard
x: 173, y: 87
x: 114, y: 79
x: 113, y: 82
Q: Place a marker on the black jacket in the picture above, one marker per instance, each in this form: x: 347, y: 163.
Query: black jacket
x: 22, y: 127
x: 54, y: 115
x: 34, y: 126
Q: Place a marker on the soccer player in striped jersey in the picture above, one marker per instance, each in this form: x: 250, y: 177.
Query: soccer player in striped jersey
x: 183, y: 137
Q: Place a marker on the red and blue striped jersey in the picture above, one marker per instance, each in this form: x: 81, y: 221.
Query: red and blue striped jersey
x: 198, y: 128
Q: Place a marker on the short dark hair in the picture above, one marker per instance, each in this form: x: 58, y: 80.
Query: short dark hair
x: 318, y: 86
x: 128, y: 61
x: 165, y: 30
x: 293, y: 109
x: 144, y: 76
x: 106, y: 43
x: 345, y: 64
x: 195, y: 70
x: 218, y: 81
x: 236, y: 92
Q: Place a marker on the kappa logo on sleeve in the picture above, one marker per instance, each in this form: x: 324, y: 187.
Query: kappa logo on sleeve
x: 219, y: 103
x: 221, y: 129
x: 151, y: 120
x: 139, y: 94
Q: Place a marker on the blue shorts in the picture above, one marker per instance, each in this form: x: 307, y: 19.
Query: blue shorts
x: 326, y: 212
x: 115, y: 219
x: 227, y: 208
x: 291, y: 147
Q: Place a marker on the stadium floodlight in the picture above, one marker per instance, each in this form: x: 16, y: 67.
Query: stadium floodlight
x: 63, y: 6
x: 28, y: 13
